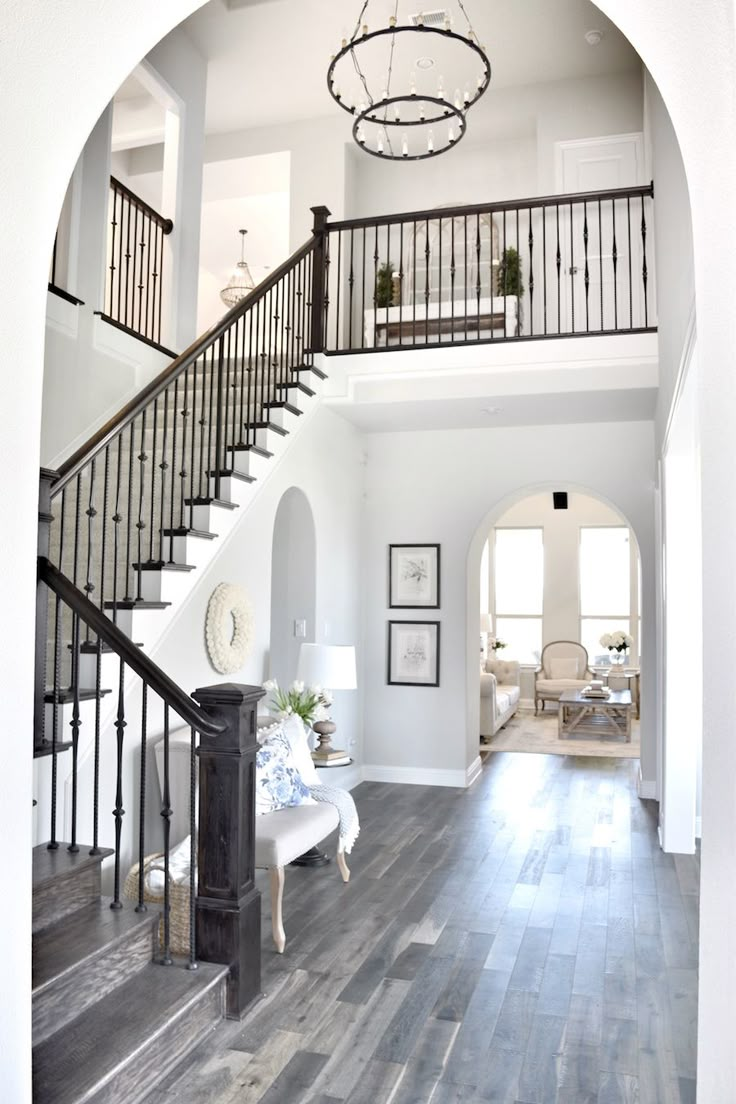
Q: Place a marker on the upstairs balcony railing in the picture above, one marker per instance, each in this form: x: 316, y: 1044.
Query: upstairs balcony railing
x: 558, y: 266
x: 134, y: 291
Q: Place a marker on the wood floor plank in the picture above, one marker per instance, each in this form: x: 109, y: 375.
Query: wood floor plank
x: 520, y: 942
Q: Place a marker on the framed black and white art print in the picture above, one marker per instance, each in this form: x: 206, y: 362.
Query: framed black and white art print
x: 414, y: 653
x: 414, y: 576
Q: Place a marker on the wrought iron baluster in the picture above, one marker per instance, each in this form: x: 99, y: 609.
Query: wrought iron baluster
x: 586, y: 270
x: 572, y: 275
x: 156, y: 284
x: 600, y: 257
x: 53, y: 844
x: 544, y: 265
x: 192, y: 447
x: 531, y: 275
x: 95, y: 850
x: 112, y: 266
x: 146, y: 328
x: 631, y: 278
x: 414, y: 284
x: 644, y: 269
x: 375, y: 288
x: 151, y: 523
x: 351, y: 288
x: 427, y: 253
x: 119, y: 811
x: 183, y: 472
x: 465, y: 272
x: 339, y: 289
x: 123, y: 214
x: 77, y: 509
x: 117, y: 519
x: 166, y: 812
x: 75, y: 725
x: 129, y: 524
x: 172, y: 493
x: 614, y: 258
x: 559, y: 265
x: 141, y: 906
x: 401, y: 282
x: 505, y: 261
x: 246, y: 319
x: 140, y: 523
x: 362, y: 295
x: 163, y: 468
x: 160, y: 238
x: 91, y: 514
x: 477, y: 273
x: 127, y: 263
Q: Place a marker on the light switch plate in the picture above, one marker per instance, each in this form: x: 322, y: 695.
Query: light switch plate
x: 300, y: 629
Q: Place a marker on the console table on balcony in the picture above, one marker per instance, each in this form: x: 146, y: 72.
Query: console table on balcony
x: 417, y: 324
x: 578, y: 714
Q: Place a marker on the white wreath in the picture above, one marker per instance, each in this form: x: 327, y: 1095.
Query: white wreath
x: 229, y: 628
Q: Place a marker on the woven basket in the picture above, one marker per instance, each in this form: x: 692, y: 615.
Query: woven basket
x: 178, y: 902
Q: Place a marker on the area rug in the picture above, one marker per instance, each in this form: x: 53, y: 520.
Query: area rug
x: 525, y: 732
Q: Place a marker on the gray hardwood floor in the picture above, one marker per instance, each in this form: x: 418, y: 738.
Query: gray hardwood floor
x: 524, y: 941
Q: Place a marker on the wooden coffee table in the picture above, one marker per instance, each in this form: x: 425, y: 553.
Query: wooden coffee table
x: 609, y: 716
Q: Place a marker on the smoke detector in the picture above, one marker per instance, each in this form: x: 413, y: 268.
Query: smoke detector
x: 593, y: 38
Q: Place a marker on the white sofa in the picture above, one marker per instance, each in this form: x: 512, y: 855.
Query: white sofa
x: 499, y: 695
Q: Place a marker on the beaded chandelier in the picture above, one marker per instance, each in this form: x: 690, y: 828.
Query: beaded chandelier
x: 409, y: 80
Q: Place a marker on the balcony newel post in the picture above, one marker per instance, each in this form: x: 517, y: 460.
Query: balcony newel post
x: 319, y: 276
x: 45, y: 517
x: 228, y: 918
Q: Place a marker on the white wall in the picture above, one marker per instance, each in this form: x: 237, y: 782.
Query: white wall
x: 326, y: 463
x: 449, y: 487
x: 293, y: 584
x: 673, y: 247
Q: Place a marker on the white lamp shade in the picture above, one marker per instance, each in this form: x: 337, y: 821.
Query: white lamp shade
x: 331, y: 666
x: 485, y: 623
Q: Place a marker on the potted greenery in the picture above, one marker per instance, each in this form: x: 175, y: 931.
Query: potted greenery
x: 387, y: 286
x: 509, y: 276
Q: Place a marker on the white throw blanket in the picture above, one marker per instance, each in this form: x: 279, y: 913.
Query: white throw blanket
x: 343, y: 802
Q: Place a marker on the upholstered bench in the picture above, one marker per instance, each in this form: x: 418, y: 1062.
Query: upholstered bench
x: 280, y: 838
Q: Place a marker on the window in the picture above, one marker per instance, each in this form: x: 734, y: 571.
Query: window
x: 519, y: 575
x: 605, y: 585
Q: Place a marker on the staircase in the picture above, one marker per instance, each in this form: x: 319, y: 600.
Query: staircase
x: 125, y: 528
x: 108, y: 1021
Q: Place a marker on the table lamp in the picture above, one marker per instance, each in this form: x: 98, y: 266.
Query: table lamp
x: 331, y: 666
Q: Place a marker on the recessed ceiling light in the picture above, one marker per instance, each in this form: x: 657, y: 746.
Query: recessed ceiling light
x: 425, y: 62
x: 593, y: 38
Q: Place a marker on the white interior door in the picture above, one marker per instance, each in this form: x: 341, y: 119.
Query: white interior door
x: 602, y: 276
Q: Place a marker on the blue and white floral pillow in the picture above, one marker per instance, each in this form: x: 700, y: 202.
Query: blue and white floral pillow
x: 278, y: 782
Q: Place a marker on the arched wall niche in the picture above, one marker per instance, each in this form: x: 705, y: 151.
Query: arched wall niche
x: 293, y: 583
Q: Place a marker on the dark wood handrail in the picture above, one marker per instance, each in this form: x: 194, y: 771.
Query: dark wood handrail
x: 144, y: 398
x: 165, y: 223
x: 484, y: 208
x: 123, y: 646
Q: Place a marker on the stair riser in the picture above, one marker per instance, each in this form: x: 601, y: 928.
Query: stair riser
x: 232, y: 490
x: 65, y: 895
x: 194, y: 551
x: 248, y: 463
x: 69, y: 995
x: 146, y: 1069
x: 143, y: 626
x: 213, y: 519
x: 283, y: 418
x: 109, y: 669
x: 165, y: 586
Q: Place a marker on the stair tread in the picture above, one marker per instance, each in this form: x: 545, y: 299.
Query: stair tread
x: 133, y: 603
x: 81, y: 935
x: 229, y: 473
x: 46, y: 747
x: 311, y: 368
x: 282, y: 404
x: 163, y: 565
x: 86, y: 1054
x: 183, y: 531
x: 66, y: 695
x: 299, y: 387
x: 205, y: 501
x: 48, y: 866
x: 270, y: 425
x: 89, y: 647
x: 255, y: 449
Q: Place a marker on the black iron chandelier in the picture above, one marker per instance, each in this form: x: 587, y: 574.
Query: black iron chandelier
x: 410, y: 82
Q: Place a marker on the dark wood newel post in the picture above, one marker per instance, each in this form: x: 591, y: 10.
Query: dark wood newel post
x: 319, y: 275
x: 45, y: 517
x: 228, y: 903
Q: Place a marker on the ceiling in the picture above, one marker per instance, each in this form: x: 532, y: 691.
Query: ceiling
x: 267, y: 59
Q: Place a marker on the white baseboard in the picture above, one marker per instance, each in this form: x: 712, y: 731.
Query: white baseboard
x: 421, y: 776
x: 646, y: 787
x: 474, y: 771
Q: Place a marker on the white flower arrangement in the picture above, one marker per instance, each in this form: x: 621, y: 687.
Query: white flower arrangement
x: 229, y: 628
x: 617, y: 641
x: 308, y: 702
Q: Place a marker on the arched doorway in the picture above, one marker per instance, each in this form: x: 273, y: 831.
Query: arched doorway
x: 558, y: 567
x: 293, y: 584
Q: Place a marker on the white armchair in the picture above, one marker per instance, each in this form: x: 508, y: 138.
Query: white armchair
x: 499, y: 695
x: 564, y: 666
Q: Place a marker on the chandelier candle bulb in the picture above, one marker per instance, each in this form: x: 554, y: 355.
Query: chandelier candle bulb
x: 430, y: 142
x: 466, y: 95
x: 413, y: 84
x: 458, y: 100
x: 404, y: 146
x: 451, y: 133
